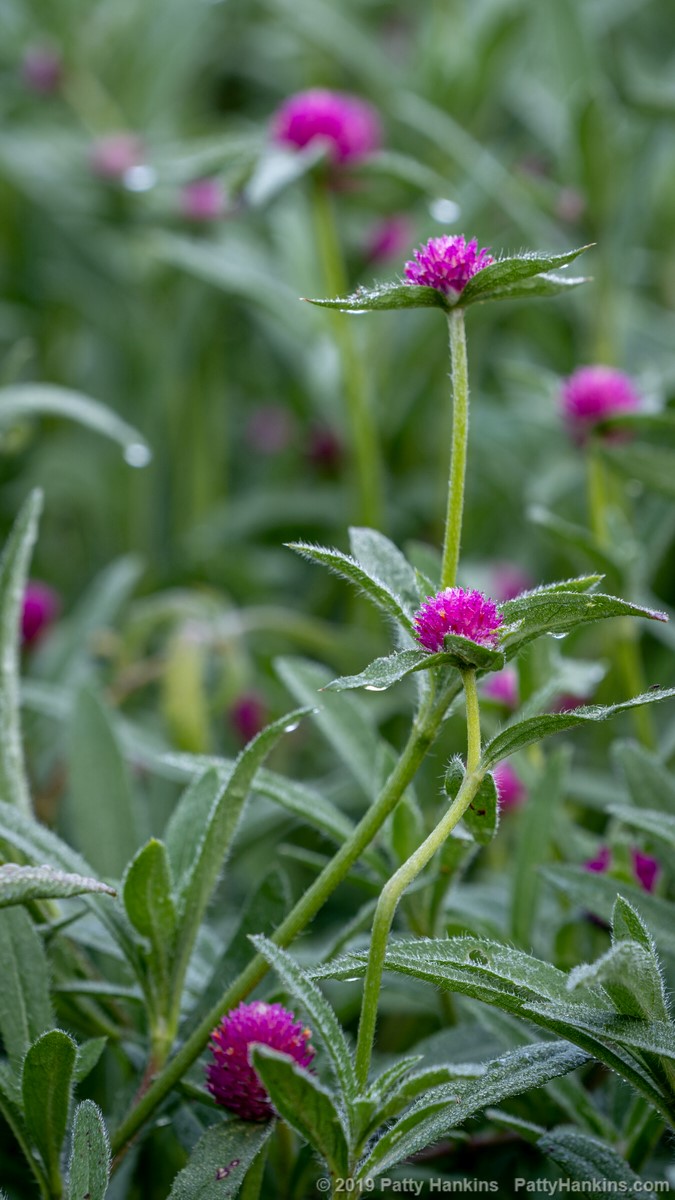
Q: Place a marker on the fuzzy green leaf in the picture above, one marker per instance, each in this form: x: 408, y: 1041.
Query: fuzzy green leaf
x: 384, y: 561
x: 650, y: 783
x: 597, y: 893
x: 656, y: 824
x: 631, y: 976
x: 386, y: 296
x: 150, y: 907
x: 524, y: 733
x: 25, y: 1007
x: 547, y: 611
x: 90, y: 1154
x: 380, y: 674
x: 304, y: 1104
x: 19, y: 884
x: 348, y: 568
x: 508, y: 272
x: 588, y: 1159
x: 14, y: 566
x: 482, y: 816
x: 46, y: 1086
x: 322, y: 1018
x: 220, y: 1160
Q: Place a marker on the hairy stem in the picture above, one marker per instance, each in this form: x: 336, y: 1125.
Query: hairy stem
x: 406, y: 874
x: 460, y: 437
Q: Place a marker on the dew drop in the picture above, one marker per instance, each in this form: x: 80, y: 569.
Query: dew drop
x: 370, y: 687
x: 558, y: 636
x: 445, y: 211
x: 140, y: 178
x: 137, y: 454
x: 292, y: 727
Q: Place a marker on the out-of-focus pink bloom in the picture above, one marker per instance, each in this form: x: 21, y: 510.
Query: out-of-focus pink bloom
x: 446, y: 263
x: 40, y: 609
x: 510, y: 789
x: 593, y: 394
x: 503, y: 688
x: 509, y: 580
x: 269, y: 429
x: 247, y: 716
x: 230, y: 1077
x: 646, y: 869
x: 349, y: 126
x: 570, y: 204
x: 112, y: 156
x: 325, y: 449
x: 567, y: 702
x: 388, y: 238
x: 42, y: 70
x: 454, y: 610
x: 203, y: 200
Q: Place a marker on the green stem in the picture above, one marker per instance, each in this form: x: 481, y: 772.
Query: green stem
x: 424, y: 730
x: 406, y: 874
x: 460, y: 437
x: 626, y: 651
x: 363, y: 435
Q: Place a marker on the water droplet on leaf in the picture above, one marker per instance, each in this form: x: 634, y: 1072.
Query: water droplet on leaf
x: 137, y: 454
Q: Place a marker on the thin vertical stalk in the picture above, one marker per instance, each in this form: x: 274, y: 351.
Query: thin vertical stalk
x: 365, y: 450
x: 460, y: 437
x: 406, y: 874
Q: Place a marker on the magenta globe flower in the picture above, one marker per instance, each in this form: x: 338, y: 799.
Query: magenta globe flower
x: 230, y: 1077
x: 247, y: 716
x: 592, y: 394
x: 509, y: 580
x: 388, y: 238
x: 646, y: 869
x: 112, y: 156
x: 40, y: 609
x: 447, y: 264
x: 454, y: 610
x: 202, y: 200
x: 349, y: 126
x: 42, y: 70
x: 510, y: 789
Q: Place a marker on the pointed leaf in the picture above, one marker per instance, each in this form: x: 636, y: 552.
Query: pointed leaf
x: 631, y: 976
x: 304, y: 1104
x: 14, y: 566
x: 446, y: 1107
x: 506, y: 272
x: 46, y: 1085
x: 386, y: 296
x: 220, y: 1160
x: 90, y: 1154
x: 23, y: 400
x: 380, y: 674
x: 524, y: 733
x: 547, y: 611
x: 348, y: 568
x: 539, y: 285
x: 588, y: 1159
x: 185, y: 827
x: 650, y: 783
x: 384, y: 561
x: 150, y: 907
x: 323, y: 1020
x: 25, y: 1007
x: 596, y: 893
x: 19, y: 884
x: 650, y: 821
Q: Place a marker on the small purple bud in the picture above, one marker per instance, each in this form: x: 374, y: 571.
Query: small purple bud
x: 203, y: 200
x: 325, y: 449
x: 40, y: 609
x: 447, y: 263
x: 112, y: 156
x: 601, y: 861
x: 646, y: 869
x: 230, y: 1077
x: 454, y: 610
x: 349, y: 126
x: 388, y: 238
x: 503, y: 688
x: 42, y: 70
x: 247, y: 716
x: 510, y: 789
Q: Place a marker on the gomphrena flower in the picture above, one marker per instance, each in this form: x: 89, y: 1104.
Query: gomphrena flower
x: 447, y: 263
x: 247, y: 716
x: 510, y: 789
x: 509, y: 580
x: 112, y: 156
x: 388, y: 238
x: 349, y: 126
x: 646, y: 869
x: 40, y: 609
x: 230, y: 1077
x: 594, y: 393
x: 42, y: 70
x: 202, y: 200
x: 454, y: 610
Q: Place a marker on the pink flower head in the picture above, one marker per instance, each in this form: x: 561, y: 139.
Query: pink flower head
x: 510, y: 790
x: 202, y: 200
x: 40, y: 609
x: 594, y: 393
x: 503, y: 688
x: 469, y: 614
x: 447, y: 263
x: 567, y: 702
x: 42, y: 70
x: 349, y: 126
x: 509, y: 580
x: 601, y: 862
x: 388, y: 238
x: 112, y: 156
x: 230, y: 1077
x: 247, y: 716
x: 646, y: 869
